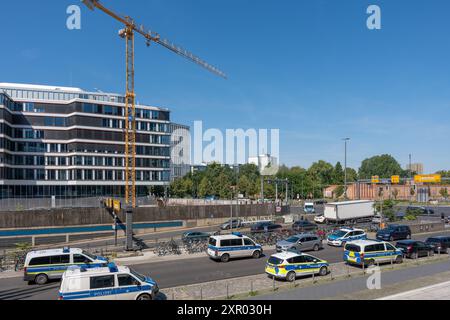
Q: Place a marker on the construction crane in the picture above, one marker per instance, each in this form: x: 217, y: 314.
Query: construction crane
x: 130, y: 28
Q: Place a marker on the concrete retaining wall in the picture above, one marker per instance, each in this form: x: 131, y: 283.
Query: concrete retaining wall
x: 99, y: 216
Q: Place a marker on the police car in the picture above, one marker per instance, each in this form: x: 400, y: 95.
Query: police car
x: 235, y: 245
x: 370, y: 252
x: 340, y: 237
x: 107, y: 283
x: 289, y: 264
x: 40, y: 266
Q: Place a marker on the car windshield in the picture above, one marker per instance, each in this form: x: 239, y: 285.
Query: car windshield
x: 87, y: 254
x: 212, y: 242
x: 292, y: 239
x: 339, y: 233
x: 275, y: 261
x: 137, y: 275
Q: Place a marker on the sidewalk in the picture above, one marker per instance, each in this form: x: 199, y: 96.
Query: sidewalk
x: 436, y: 292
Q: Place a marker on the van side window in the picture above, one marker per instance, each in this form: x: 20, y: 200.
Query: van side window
x: 225, y: 243
x: 236, y: 242
x: 379, y: 247
x: 370, y: 248
x: 60, y: 259
x: 40, y: 261
x: 248, y: 242
x: 102, y: 282
x: 389, y: 247
x: 126, y: 280
x: 78, y: 258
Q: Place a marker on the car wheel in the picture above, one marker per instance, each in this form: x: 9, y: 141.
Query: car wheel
x: 41, y: 279
x: 316, y: 247
x: 256, y: 254
x: 323, y: 271
x: 225, y: 257
x: 291, y: 276
x: 144, y: 296
x: 399, y: 260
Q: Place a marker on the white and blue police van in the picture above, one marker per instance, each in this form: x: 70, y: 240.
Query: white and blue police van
x: 235, y: 245
x: 107, y: 283
x: 42, y: 266
x: 370, y: 252
x: 340, y: 237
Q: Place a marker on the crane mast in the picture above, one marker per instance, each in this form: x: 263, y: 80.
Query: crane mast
x: 128, y: 34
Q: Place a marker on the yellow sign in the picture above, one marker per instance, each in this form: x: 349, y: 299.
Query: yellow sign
x: 395, y: 179
x: 117, y: 205
x: 428, y: 178
x: 375, y: 179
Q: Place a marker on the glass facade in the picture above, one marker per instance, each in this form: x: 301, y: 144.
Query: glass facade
x: 70, y: 144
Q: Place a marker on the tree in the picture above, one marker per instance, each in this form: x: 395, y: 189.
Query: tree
x: 338, y: 174
x: 204, y: 188
x: 383, y: 166
x: 444, y: 193
x: 387, y: 208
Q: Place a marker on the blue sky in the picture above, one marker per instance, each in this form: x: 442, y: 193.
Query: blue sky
x: 310, y: 68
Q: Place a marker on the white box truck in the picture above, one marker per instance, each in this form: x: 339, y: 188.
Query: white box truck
x: 349, y: 211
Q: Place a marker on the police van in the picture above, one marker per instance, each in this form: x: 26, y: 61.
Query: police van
x: 235, y: 245
x: 289, y: 264
x: 340, y: 237
x: 40, y: 266
x: 106, y: 283
x: 370, y: 252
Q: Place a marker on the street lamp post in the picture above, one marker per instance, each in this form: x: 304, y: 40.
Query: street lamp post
x: 345, y: 168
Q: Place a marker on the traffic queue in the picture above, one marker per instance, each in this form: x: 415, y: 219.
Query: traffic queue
x: 91, y: 277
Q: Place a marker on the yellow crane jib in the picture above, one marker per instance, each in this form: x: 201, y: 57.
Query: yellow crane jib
x: 130, y: 28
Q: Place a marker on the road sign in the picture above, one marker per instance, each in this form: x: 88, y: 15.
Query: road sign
x: 395, y: 179
x: 427, y: 178
x: 375, y: 179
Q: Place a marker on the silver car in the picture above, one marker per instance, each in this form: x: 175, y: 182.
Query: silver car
x: 300, y: 242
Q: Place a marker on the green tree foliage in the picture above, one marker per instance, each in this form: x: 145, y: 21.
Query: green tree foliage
x: 387, y: 208
x: 383, y: 166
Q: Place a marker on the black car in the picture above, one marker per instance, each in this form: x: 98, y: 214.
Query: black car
x: 394, y: 232
x: 441, y: 244
x: 265, y: 227
x: 304, y: 226
x: 415, y: 249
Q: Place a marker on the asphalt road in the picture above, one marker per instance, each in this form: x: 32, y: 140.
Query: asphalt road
x: 171, y: 273
x: 355, y: 285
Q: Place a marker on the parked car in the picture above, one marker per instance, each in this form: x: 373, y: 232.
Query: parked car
x: 320, y: 219
x: 309, y: 208
x: 394, y: 232
x: 265, y: 227
x: 233, y: 223
x: 441, y: 244
x: 376, y: 219
x: 304, y: 226
x: 195, y: 236
x: 415, y: 249
x: 419, y: 210
x: 299, y: 243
